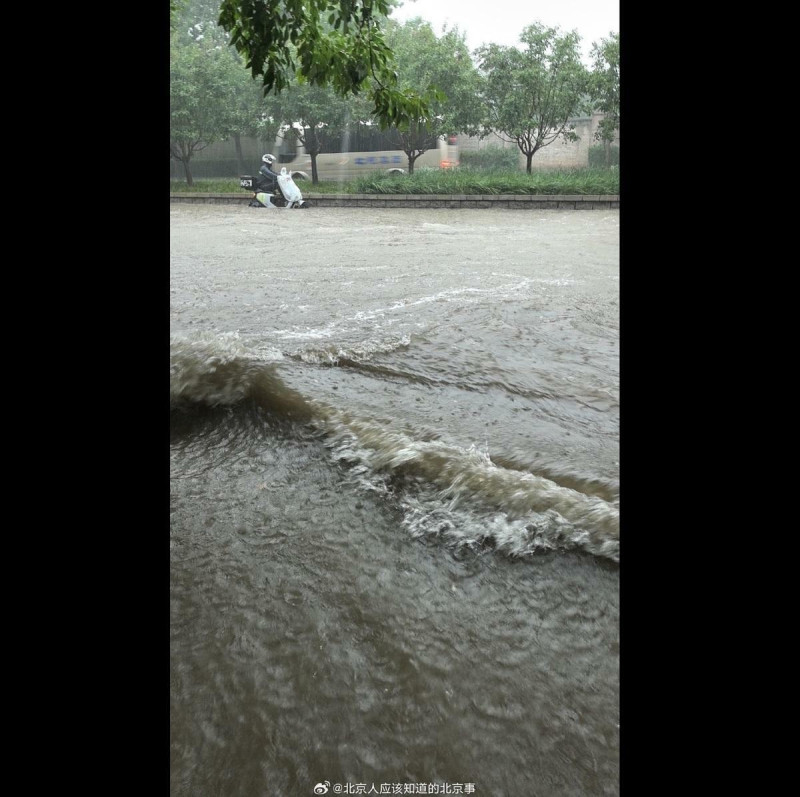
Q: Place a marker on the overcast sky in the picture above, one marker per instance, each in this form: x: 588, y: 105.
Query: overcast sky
x: 501, y: 21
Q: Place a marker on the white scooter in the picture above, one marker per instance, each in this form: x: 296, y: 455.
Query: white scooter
x: 273, y: 191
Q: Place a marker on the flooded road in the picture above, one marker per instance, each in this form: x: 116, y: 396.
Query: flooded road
x: 394, y: 501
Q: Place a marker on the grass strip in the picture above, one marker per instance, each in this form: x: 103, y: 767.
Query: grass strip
x: 434, y: 181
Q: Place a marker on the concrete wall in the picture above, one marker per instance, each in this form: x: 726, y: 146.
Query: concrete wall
x: 462, y: 201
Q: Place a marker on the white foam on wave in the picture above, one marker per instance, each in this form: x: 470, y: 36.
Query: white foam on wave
x: 362, y: 352
x: 461, y: 495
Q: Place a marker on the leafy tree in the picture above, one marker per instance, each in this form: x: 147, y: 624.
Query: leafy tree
x: 199, y: 19
x: 251, y: 114
x: 444, y: 62
x: 604, y: 90
x: 205, y: 81
x: 531, y: 94
x: 336, y: 43
x: 175, y: 8
x: 314, y: 114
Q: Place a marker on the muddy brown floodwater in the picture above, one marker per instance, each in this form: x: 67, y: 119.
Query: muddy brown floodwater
x: 394, y: 518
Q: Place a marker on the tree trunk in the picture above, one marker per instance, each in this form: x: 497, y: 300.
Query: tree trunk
x: 313, y: 145
x: 239, y: 159
x: 607, y: 151
x: 187, y: 171
x: 314, y: 175
x: 411, y: 159
x: 529, y: 156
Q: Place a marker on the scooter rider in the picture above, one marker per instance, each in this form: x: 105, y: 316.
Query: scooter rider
x: 271, y: 190
x: 268, y: 181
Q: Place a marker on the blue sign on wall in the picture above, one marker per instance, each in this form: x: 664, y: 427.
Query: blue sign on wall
x: 373, y: 159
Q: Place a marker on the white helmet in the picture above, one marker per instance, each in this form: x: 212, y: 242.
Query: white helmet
x: 268, y: 159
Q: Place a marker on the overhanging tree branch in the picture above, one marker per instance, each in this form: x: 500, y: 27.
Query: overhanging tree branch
x: 337, y: 43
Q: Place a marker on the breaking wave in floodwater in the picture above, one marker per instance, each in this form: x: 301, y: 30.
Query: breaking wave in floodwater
x: 459, y: 495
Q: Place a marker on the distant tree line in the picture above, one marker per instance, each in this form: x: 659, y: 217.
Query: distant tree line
x: 309, y: 72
